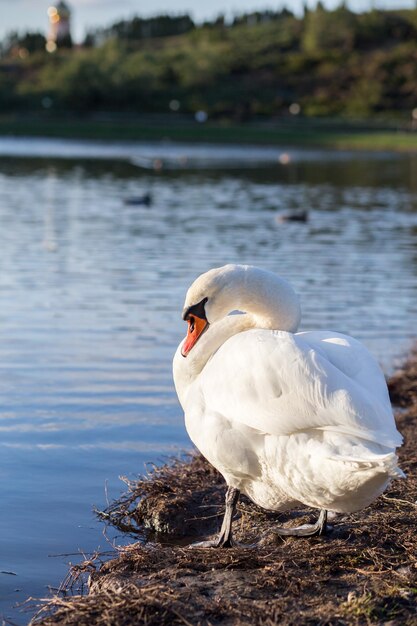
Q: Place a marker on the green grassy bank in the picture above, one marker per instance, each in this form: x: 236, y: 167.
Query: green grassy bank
x: 303, y: 135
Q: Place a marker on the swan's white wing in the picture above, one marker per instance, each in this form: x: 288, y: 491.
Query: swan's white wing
x: 280, y: 383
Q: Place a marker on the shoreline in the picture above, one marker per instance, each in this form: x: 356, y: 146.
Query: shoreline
x: 363, y: 572
x: 303, y: 135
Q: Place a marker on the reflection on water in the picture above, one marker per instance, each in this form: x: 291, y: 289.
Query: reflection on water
x: 91, y: 293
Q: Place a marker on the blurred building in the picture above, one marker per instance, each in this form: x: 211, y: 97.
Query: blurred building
x: 59, y: 26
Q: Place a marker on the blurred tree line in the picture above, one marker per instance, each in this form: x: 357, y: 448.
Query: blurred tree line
x: 326, y: 63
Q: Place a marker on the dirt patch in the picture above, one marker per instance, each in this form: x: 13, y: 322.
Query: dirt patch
x: 364, y: 572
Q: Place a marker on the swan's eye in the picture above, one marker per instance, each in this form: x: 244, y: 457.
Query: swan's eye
x: 191, y: 321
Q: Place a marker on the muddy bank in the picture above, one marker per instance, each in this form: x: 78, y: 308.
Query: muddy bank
x: 363, y: 572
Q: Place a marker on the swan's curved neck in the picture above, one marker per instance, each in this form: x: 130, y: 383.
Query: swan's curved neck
x: 267, y: 302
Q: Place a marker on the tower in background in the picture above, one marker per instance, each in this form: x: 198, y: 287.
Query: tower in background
x: 59, y: 27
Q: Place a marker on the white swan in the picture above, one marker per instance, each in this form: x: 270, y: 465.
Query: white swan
x: 288, y: 419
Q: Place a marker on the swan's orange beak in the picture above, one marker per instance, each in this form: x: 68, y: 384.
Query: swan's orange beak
x: 196, y: 327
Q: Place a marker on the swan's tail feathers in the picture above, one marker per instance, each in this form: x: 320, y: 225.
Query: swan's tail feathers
x: 360, y: 480
x: 382, y: 463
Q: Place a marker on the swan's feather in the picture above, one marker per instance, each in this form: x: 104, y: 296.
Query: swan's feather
x: 286, y: 418
x: 279, y: 384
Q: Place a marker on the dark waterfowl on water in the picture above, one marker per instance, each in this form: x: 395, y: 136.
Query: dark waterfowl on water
x: 143, y: 200
x: 293, y: 216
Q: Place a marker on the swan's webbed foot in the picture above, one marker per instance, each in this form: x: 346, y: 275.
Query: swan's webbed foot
x: 306, y: 530
x: 214, y: 543
x: 225, y: 539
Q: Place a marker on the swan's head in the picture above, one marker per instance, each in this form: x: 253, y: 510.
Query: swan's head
x: 207, y: 300
x: 216, y: 293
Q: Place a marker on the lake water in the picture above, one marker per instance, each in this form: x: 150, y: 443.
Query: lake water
x: 91, y: 293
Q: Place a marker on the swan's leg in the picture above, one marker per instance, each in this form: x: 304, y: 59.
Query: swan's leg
x: 224, y: 540
x: 306, y: 530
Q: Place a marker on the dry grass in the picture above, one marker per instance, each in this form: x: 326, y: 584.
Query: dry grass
x: 182, y: 498
x: 364, y: 572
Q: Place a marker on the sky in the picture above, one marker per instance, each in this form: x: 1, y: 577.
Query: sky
x: 23, y: 15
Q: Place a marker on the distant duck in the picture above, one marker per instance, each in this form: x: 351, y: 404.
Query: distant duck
x: 144, y: 200
x: 293, y: 216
